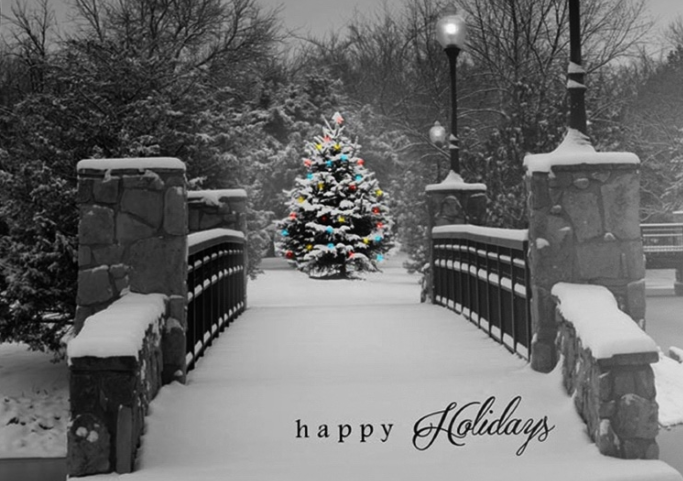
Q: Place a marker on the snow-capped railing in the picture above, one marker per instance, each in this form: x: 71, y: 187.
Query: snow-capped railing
x: 482, y: 273
x: 216, y: 287
x: 663, y: 248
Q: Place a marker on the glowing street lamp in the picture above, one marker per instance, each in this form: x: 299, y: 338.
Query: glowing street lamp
x: 451, y: 33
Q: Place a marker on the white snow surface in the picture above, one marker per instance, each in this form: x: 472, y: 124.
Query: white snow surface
x: 508, y: 234
x: 599, y: 323
x: 367, y: 352
x: 140, y: 163
x: 575, y: 149
x: 454, y: 181
x: 213, y: 197
x: 34, y: 403
x: 119, y: 329
x: 201, y: 236
x: 669, y: 385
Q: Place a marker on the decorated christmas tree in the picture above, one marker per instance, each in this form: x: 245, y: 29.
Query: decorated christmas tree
x: 338, y: 222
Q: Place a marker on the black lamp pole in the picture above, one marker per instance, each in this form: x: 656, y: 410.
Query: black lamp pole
x: 454, y: 142
x: 576, y: 75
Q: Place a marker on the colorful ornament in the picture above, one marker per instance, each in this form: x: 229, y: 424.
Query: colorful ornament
x: 380, y: 257
x: 361, y: 162
x: 330, y: 246
x: 352, y: 187
x: 328, y: 163
x: 329, y: 229
x: 366, y: 240
x: 375, y: 210
x: 324, y: 218
x: 307, y: 162
x: 359, y: 177
x: 309, y: 176
x: 338, y: 119
x: 380, y: 225
x: 301, y: 200
x: 319, y: 146
x: 337, y: 147
x: 327, y: 138
x: 351, y: 254
x: 378, y: 238
x: 289, y: 254
x: 341, y: 219
x: 379, y: 193
x: 309, y: 247
x: 344, y: 157
x: 292, y: 215
x: 321, y: 185
x: 285, y: 232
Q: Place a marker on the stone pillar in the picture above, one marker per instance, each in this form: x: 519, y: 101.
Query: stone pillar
x: 584, y: 227
x: 452, y: 201
x: 678, y: 282
x: 133, y: 235
x: 209, y: 209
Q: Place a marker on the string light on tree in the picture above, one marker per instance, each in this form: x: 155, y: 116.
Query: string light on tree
x: 338, y: 223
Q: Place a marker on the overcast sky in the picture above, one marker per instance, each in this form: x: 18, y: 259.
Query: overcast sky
x: 317, y: 17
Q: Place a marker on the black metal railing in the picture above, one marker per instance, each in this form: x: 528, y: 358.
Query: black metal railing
x: 663, y: 245
x: 483, y: 274
x: 216, y: 285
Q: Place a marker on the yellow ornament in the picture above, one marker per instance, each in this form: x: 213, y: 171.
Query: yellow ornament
x: 342, y: 219
x: 309, y: 247
x: 337, y: 146
x: 319, y: 146
x: 301, y: 200
x: 321, y: 185
x: 366, y: 240
x: 379, y: 193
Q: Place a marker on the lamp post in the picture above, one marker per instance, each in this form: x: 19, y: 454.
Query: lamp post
x: 576, y: 75
x: 451, y: 33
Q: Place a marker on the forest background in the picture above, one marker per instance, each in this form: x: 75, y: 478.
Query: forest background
x: 221, y: 85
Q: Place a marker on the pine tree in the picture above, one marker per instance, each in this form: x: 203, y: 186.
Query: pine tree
x: 339, y: 222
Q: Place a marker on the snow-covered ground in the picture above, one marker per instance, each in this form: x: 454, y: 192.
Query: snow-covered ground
x: 34, y: 404
x: 344, y: 353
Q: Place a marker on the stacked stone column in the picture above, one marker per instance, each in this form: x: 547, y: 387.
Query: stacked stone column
x: 583, y: 228
x: 225, y: 209
x: 133, y: 235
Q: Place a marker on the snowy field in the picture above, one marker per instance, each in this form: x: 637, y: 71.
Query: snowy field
x: 353, y: 356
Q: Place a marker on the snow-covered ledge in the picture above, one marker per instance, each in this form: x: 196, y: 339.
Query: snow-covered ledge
x: 606, y: 361
x: 222, y: 208
x: 115, y: 369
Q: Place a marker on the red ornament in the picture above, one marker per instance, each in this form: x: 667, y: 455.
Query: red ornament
x: 324, y: 218
x: 289, y: 254
x: 327, y: 138
x: 380, y: 225
x: 352, y: 187
x: 375, y: 210
x: 292, y: 215
x: 361, y: 162
x: 351, y: 254
x: 307, y: 162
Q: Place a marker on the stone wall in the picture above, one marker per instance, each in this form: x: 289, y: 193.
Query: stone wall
x: 584, y: 228
x: 132, y: 239
x: 616, y: 397
x: 109, y: 399
x: 133, y: 235
x: 209, y: 209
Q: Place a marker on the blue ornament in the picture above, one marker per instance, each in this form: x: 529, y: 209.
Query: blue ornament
x: 344, y: 157
x: 330, y: 245
x: 378, y: 238
x: 359, y: 178
x: 309, y: 176
x: 329, y: 229
x: 380, y: 257
x: 285, y: 232
x: 329, y: 163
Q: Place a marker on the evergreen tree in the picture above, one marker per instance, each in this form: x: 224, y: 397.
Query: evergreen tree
x: 338, y: 221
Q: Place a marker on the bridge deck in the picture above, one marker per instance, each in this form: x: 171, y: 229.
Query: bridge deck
x: 352, y: 353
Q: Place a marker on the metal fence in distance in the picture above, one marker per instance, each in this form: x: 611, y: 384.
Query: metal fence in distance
x: 216, y: 284
x: 483, y: 274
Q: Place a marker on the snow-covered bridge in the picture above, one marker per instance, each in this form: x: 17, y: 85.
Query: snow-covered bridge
x: 333, y: 379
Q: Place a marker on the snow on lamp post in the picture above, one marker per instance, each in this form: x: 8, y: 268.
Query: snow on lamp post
x: 451, y: 33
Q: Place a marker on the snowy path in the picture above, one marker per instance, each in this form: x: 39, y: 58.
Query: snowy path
x: 352, y: 353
